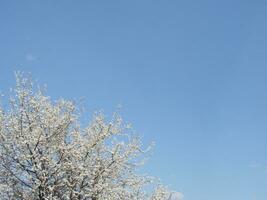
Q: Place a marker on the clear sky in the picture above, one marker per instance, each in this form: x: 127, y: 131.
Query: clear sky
x: 190, y: 75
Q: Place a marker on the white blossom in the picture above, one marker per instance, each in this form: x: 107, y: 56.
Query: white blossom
x: 46, y: 154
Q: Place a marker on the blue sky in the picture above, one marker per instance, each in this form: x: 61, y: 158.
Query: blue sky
x: 190, y: 75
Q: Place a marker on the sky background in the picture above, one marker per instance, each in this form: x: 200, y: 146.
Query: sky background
x: 190, y: 75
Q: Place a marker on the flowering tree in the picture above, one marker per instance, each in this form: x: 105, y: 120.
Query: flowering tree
x: 46, y: 154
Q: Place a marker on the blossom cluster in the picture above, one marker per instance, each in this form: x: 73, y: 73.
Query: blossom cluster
x: 46, y: 154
